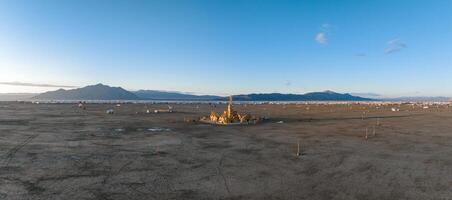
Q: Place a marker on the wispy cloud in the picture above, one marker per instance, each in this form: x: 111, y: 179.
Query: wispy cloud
x: 394, y: 45
x: 35, y: 84
x: 360, y: 55
x: 322, y: 37
x: 367, y: 95
x: 288, y: 83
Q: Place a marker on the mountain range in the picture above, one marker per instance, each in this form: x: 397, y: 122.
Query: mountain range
x: 104, y: 92
x: 313, y: 96
x: 166, y: 95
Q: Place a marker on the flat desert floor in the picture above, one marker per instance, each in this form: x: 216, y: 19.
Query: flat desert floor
x: 58, y: 151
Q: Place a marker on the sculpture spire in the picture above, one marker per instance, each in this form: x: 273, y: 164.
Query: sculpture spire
x: 230, y: 111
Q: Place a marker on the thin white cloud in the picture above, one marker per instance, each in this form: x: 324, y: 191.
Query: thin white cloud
x: 394, y: 45
x: 321, y: 38
x: 367, y: 95
x: 35, y: 84
x: 360, y: 55
x: 288, y: 83
x: 326, y: 27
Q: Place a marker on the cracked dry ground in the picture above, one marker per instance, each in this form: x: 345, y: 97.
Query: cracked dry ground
x: 58, y: 151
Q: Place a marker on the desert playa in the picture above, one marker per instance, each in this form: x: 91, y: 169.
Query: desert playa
x: 347, y: 151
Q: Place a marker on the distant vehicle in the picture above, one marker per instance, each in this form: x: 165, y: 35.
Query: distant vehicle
x: 169, y: 110
x: 110, y: 111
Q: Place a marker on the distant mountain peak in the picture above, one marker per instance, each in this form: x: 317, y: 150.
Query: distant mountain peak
x: 99, y: 85
x: 329, y: 92
x: 91, y: 92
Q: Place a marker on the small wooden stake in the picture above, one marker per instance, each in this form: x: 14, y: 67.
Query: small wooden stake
x: 366, y: 137
x: 374, y: 133
x: 298, y: 149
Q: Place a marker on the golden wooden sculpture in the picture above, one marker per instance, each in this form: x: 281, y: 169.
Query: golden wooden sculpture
x: 229, y: 116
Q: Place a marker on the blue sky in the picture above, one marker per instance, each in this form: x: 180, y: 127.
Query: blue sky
x: 393, y: 48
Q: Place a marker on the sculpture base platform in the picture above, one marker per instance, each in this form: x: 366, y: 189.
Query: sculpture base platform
x: 207, y: 121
